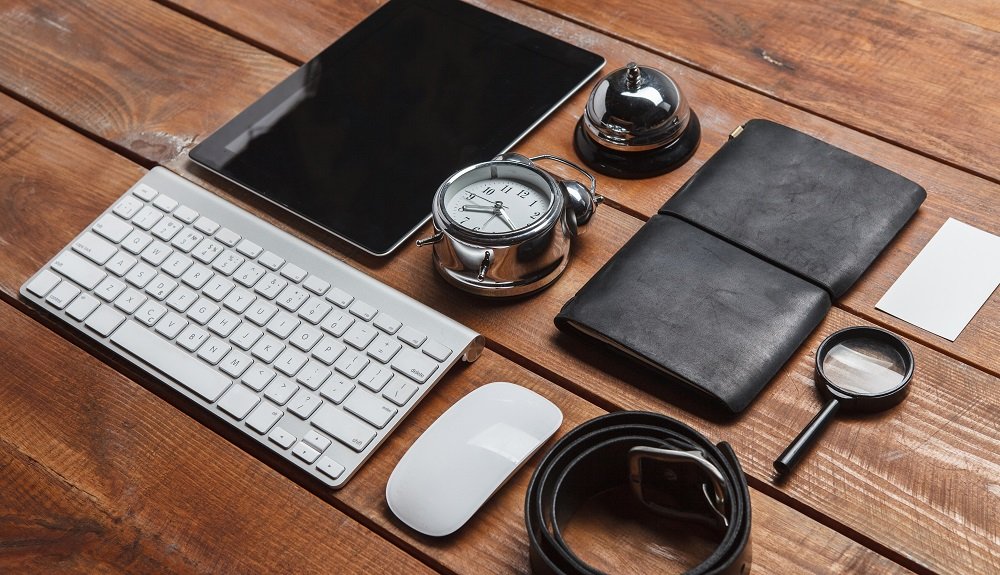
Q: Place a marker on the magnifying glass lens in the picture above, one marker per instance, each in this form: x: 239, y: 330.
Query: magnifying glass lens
x: 864, y: 366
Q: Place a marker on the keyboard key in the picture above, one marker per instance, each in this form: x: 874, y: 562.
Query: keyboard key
x: 387, y: 323
x: 414, y: 365
x: 197, y: 276
x: 375, y: 376
x: 187, y: 240
x: 112, y: 228
x: 305, y: 337
x: 202, y: 311
x: 218, y: 288
x: 238, y: 401
x: 171, y: 325
x: 94, y: 248
x: 82, y: 306
x: 248, y: 248
x: 64, y: 293
x: 181, y: 299
x: 363, y: 310
x: 271, y: 261
x: 305, y: 453
x: 174, y: 363
x: 317, y: 440
x: 293, y: 272
x: 127, y: 207
x: 214, y: 350
x: 186, y: 214
x: 150, y: 313
x: 206, y: 225
x: 261, y: 312
x: 304, y: 404
x: 328, y: 350
x: 314, y: 310
x: 121, y: 263
x: 78, y: 269
x: 339, y: 297
x: 228, y: 237
x: 137, y: 241
x: 160, y: 287
x: 282, y: 437
x: 257, y: 378
x: 316, y: 285
x: 145, y: 192
x: 235, y: 363
x: 207, y: 251
x: 239, y: 300
x: 267, y: 348
x: 384, y: 348
x: 290, y: 362
x: 411, y: 336
x: 141, y: 274
x: 156, y: 252
x: 245, y: 336
x: 436, y: 350
x: 165, y: 203
x: 329, y: 467
x: 370, y: 408
x: 167, y: 229
x: 351, y: 364
x: 280, y: 390
x: 104, y: 321
x: 223, y: 323
x: 282, y: 324
x: 399, y: 391
x: 130, y: 300
x: 110, y: 288
x: 270, y: 286
x: 312, y: 375
x: 249, y: 273
x: 43, y: 283
x: 192, y: 337
x: 228, y: 262
x: 292, y: 297
x: 177, y: 264
x: 263, y: 417
x: 360, y: 335
x: 343, y: 427
x: 147, y: 218
x: 336, y: 389
x: 336, y: 323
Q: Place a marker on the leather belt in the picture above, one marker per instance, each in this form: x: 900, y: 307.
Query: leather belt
x: 671, y: 468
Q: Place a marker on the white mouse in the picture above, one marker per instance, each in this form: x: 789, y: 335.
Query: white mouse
x: 467, y: 455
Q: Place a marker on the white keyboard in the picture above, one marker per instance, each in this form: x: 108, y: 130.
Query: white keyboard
x: 313, y: 359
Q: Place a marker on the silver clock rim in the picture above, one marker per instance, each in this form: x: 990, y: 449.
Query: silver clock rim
x: 449, y: 226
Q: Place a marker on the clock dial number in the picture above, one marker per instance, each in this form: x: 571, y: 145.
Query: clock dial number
x: 496, y: 206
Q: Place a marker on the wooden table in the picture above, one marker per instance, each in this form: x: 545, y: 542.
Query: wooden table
x: 101, y: 470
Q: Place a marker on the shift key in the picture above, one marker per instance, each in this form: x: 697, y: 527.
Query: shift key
x: 344, y: 427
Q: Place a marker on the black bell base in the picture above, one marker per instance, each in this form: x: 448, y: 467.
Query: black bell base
x: 637, y: 165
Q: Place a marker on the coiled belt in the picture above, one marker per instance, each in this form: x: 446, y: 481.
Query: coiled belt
x: 671, y: 468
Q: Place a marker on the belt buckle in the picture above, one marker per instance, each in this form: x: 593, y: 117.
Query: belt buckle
x: 691, y: 487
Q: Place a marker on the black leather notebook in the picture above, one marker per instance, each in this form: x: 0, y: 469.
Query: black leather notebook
x: 722, y: 285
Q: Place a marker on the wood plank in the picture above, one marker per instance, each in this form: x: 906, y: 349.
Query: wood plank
x: 97, y: 474
x: 721, y: 106
x: 975, y: 12
x: 42, y: 174
x: 922, y: 80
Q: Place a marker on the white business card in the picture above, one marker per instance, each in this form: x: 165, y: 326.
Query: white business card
x: 948, y: 281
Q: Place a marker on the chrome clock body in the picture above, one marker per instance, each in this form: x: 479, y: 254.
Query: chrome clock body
x: 504, y: 227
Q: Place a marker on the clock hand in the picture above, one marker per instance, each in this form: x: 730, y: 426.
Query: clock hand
x: 503, y: 216
x: 478, y: 208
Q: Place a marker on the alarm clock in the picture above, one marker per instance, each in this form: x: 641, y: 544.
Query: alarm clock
x: 504, y: 227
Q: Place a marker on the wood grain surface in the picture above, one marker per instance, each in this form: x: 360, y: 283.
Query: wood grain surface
x: 500, y: 545
x: 142, y: 82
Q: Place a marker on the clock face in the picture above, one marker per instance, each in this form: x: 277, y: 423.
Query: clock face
x: 496, y: 205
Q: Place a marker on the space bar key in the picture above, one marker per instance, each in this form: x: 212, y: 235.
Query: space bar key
x: 166, y: 358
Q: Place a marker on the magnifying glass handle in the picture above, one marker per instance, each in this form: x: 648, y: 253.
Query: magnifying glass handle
x: 806, y: 438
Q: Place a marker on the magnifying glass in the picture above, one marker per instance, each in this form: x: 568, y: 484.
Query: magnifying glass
x: 861, y: 369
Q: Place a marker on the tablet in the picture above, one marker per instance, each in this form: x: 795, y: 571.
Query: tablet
x: 359, y: 138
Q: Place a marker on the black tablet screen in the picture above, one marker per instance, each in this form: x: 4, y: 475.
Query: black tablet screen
x: 358, y: 139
